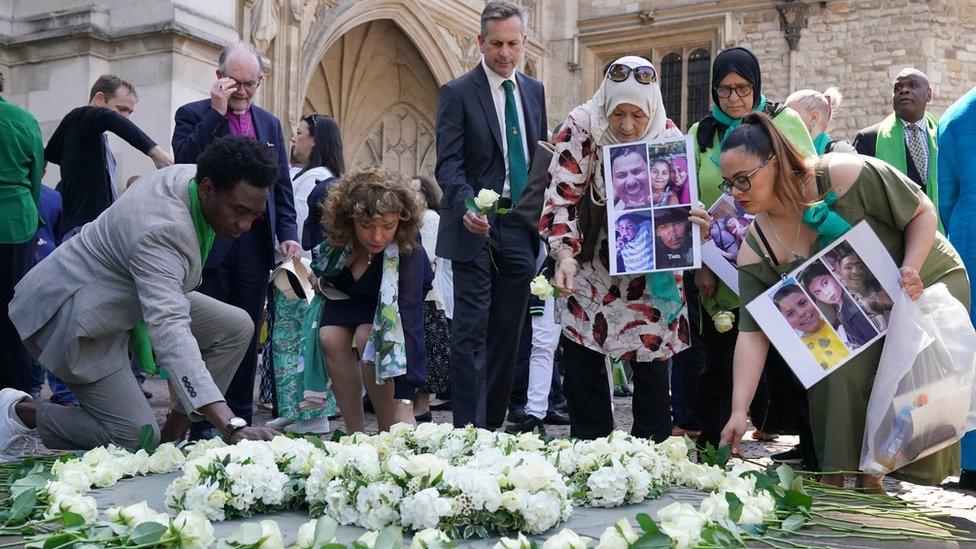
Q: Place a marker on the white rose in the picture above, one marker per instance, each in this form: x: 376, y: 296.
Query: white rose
x: 105, y: 475
x: 193, y: 529
x: 166, y: 458
x: 429, y: 538
x: 56, y: 488
x: 508, y: 543
x: 423, y: 465
x: 715, y: 507
x: 675, y: 448
x: 566, y: 539
x: 271, y: 536
x: 74, y: 473
x: 682, y: 523
x: 486, y: 199
x: 620, y: 535
x: 532, y: 475
x: 530, y: 442
x: 369, y: 538
x: 401, y: 429
x: 541, y: 287
x: 306, y: 536
x: 84, y: 506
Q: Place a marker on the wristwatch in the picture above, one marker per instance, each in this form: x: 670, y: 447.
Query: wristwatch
x: 403, y: 401
x: 233, y: 425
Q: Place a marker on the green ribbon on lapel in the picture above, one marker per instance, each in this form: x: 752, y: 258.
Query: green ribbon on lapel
x: 139, y: 336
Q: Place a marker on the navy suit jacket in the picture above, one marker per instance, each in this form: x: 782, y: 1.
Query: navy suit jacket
x: 197, y: 125
x: 469, y: 151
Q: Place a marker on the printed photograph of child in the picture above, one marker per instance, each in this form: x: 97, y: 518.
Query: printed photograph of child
x: 841, y: 311
x: 634, y: 243
x: 805, y: 318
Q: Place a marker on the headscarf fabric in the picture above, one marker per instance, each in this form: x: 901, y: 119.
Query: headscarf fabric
x: 646, y: 97
x: 742, y: 62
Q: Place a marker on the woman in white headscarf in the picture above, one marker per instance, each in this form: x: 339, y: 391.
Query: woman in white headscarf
x: 640, y: 318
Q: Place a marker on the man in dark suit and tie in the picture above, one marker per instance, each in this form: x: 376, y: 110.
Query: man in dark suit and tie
x: 237, y: 270
x: 488, y: 122
x: 906, y: 139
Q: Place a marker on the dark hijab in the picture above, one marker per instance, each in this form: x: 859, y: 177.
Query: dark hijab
x: 744, y: 63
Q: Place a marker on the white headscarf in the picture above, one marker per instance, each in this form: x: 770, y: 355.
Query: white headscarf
x: 647, y: 97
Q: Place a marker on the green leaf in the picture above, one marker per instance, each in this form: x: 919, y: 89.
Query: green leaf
x: 735, y: 506
x: 390, y: 537
x: 502, y: 211
x: 786, y: 476
x: 794, y: 522
x: 337, y: 435
x: 797, y: 500
x: 657, y: 540
x: 59, y: 540
x: 146, y: 436
x: 647, y: 523
x: 34, y: 481
x: 23, y: 505
x: 470, y: 204
x: 147, y: 532
x: 72, y: 520
x: 719, y: 458
x: 325, y: 529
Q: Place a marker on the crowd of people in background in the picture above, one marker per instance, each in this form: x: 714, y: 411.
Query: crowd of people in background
x: 420, y: 303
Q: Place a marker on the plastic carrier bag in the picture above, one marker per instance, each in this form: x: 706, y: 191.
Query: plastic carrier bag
x: 922, y: 399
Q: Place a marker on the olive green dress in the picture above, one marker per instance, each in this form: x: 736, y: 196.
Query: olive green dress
x: 887, y: 200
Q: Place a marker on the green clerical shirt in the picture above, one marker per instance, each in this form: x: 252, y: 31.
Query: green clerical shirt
x: 21, y: 170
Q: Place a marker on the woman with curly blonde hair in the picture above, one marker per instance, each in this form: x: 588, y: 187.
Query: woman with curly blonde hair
x: 370, y: 277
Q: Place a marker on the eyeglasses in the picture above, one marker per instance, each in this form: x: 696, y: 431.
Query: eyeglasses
x: 725, y: 92
x: 249, y: 86
x: 741, y: 182
x: 619, y: 72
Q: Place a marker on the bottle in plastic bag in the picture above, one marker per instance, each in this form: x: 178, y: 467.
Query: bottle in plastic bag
x: 894, y: 444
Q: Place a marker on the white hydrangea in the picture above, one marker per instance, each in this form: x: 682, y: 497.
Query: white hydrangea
x: 608, y: 486
x: 376, y: 505
x: 425, y: 509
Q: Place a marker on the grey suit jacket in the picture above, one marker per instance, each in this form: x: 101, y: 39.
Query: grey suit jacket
x: 136, y: 261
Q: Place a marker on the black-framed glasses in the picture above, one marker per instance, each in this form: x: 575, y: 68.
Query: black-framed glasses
x: 725, y: 92
x: 741, y: 182
x: 619, y: 72
x: 249, y: 86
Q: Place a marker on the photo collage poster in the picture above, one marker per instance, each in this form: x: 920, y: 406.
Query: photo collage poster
x: 651, y: 186
x: 730, y: 223
x: 832, y: 307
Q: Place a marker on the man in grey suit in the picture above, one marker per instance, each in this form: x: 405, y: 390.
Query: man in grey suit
x: 140, y: 261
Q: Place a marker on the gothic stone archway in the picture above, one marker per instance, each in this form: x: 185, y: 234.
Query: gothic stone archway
x: 378, y: 87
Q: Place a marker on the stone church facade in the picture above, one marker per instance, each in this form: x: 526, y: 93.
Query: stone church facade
x: 376, y: 65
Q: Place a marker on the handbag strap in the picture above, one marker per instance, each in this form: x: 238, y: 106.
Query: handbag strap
x: 769, y: 249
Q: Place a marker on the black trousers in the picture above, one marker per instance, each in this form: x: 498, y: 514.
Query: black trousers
x: 587, y: 390
x: 491, y: 293
x: 15, y: 360
x: 687, y: 366
x: 241, y: 280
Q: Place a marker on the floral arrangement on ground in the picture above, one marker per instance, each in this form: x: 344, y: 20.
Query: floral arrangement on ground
x: 441, y: 485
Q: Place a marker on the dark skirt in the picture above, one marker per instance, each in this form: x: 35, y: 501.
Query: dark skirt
x: 436, y: 334
x: 363, y: 294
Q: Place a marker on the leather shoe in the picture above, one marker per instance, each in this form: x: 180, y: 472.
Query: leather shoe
x: 516, y: 415
x: 527, y: 425
x: 555, y: 417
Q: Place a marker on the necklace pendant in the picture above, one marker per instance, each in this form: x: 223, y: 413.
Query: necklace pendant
x: 796, y: 256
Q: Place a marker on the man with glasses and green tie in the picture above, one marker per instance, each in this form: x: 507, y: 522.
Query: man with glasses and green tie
x: 237, y: 270
x: 488, y: 123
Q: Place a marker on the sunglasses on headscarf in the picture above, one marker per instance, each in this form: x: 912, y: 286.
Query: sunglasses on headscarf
x: 618, y: 72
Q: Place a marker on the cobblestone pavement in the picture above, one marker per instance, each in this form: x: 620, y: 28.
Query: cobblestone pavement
x: 947, y: 498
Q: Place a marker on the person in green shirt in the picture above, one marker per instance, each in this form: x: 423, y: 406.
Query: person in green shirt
x: 736, y: 91
x: 21, y: 169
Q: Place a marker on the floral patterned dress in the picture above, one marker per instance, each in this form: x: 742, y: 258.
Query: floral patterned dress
x: 613, y: 315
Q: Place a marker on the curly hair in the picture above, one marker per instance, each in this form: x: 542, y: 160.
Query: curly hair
x: 368, y: 193
x: 232, y: 158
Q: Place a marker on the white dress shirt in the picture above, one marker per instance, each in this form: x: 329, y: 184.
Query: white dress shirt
x: 498, y: 95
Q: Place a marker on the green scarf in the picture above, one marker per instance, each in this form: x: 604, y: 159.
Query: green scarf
x: 139, y: 336
x: 732, y: 124
x: 386, y: 347
x: 891, y: 149
x: 821, y: 142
